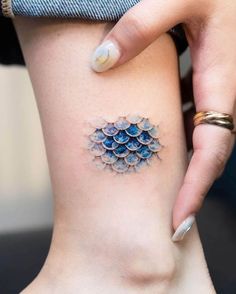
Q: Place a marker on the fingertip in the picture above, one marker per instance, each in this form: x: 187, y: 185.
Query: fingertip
x: 183, y: 228
x: 105, y: 56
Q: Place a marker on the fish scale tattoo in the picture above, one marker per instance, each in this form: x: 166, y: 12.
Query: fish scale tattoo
x: 126, y: 145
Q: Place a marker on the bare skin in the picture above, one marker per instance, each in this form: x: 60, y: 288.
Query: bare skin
x: 112, y: 233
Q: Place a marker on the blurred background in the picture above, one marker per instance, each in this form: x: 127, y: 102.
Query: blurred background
x: 25, y: 201
x: 26, y: 197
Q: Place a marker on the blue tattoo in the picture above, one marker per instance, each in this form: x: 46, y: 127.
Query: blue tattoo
x: 125, y: 145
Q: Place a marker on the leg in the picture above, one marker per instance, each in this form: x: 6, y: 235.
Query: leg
x: 112, y: 233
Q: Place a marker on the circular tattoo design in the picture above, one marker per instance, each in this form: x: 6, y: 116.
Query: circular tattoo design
x: 110, y: 143
x: 122, y: 137
x: 144, y: 152
x: 97, y: 149
x: 120, y: 166
x: 155, y: 146
x: 144, y: 138
x: 127, y: 145
x: 154, y: 132
x: 122, y: 124
x: 110, y: 130
x: 133, y: 144
x: 109, y: 157
x: 121, y: 151
x: 132, y: 159
x: 134, y: 119
x: 145, y: 125
x: 133, y: 130
x: 98, y: 136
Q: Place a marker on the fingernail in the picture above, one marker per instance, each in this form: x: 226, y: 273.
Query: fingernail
x: 183, y: 228
x: 105, y: 56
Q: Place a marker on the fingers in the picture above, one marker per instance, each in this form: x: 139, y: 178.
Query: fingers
x: 137, y: 29
x: 212, y: 146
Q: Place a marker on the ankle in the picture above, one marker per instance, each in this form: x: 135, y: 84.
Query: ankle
x: 130, y: 256
x: 132, y: 272
x: 145, y: 266
x: 145, y: 262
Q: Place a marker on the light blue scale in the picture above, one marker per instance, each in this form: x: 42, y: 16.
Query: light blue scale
x: 98, y: 136
x: 109, y: 157
x: 144, y: 152
x: 122, y: 124
x: 144, y: 138
x: 97, y: 149
x: 110, y: 130
x: 145, y: 125
x: 132, y: 159
x: 120, y: 166
x: 133, y: 144
x: 155, y: 146
x: 154, y: 132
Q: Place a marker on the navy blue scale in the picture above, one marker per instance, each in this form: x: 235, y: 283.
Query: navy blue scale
x: 110, y: 143
x: 121, y: 151
x: 122, y: 137
x: 133, y: 131
x: 126, y: 146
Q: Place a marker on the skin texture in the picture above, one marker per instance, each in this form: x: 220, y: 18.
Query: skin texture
x: 112, y: 233
x: 210, y: 30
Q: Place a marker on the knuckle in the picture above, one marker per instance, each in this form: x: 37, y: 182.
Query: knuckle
x: 137, y: 27
x: 215, y: 155
x: 198, y: 199
x: 219, y: 158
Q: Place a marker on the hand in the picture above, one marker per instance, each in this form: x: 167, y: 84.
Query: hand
x: 210, y: 27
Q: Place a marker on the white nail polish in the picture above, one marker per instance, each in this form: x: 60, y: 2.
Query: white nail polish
x: 183, y: 228
x: 105, y: 56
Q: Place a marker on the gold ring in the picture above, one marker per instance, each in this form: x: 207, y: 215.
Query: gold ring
x: 220, y: 119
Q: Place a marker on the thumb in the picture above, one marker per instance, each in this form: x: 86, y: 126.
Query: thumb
x: 136, y: 30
